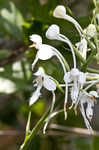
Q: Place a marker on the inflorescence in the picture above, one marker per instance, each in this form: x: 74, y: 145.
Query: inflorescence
x: 75, y: 81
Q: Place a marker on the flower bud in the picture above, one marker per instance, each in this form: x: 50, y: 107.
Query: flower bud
x: 91, y: 30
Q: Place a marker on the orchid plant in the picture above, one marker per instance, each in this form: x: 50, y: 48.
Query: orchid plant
x: 78, y: 79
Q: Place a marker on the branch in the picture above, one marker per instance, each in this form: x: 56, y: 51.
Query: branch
x: 79, y: 131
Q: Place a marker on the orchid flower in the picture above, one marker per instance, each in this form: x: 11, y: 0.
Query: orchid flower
x: 90, y: 31
x: 78, y: 78
x: 45, y: 51
x: 89, y: 99
x: 47, y: 82
x: 60, y: 12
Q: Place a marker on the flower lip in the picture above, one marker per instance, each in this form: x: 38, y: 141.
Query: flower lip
x: 59, y: 11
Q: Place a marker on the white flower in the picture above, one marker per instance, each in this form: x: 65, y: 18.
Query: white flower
x: 91, y: 30
x: 45, y: 51
x: 42, y: 80
x: 78, y: 78
x: 90, y: 104
x: 37, y: 41
x: 47, y: 82
x: 75, y: 75
x: 89, y: 99
x: 53, y: 33
x: 60, y: 12
x: 35, y: 95
x: 82, y: 47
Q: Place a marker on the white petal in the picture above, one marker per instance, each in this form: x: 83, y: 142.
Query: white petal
x: 89, y: 112
x: 83, y: 97
x: 52, y: 32
x: 40, y: 72
x: 82, y: 78
x: 74, y: 94
x: 85, y: 119
x: 67, y: 77
x: 36, y: 38
x: 82, y: 47
x: 74, y: 73
x: 45, y: 52
x: 59, y: 11
x: 94, y: 93
x: 49, y: 84
x: 35, y: 96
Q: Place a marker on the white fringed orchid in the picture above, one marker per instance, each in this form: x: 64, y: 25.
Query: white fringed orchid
x: 48, y: 83
x: 60, y: 12
x: 89, y: 99
x: 78, y: 78
x: 45, y: 51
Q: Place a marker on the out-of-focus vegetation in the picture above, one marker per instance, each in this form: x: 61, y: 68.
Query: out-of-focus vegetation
x: 18, y: 20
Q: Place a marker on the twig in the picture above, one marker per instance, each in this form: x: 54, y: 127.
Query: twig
x: 80, y: 131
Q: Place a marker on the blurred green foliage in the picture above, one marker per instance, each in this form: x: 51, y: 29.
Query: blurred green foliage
x: 18, y: 20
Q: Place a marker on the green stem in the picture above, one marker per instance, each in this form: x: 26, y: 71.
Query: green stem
x: 79, y: 55
x: 27, y: 142
x: 92, y: 78
x: 92, y: 70
x: 66, y: 64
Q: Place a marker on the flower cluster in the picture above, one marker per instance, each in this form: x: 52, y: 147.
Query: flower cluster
x: 75, y: 81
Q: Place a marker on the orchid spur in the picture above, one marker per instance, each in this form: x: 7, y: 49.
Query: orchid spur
x: 60, y: 12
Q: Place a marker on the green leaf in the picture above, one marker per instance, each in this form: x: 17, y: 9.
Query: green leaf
x: 11, y: 20
x: 28, y: 124
x: 44, y: 9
